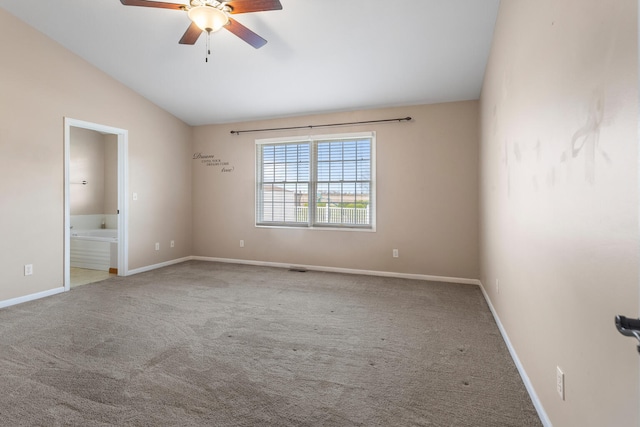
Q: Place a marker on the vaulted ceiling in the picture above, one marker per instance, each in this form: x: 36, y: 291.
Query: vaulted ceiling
x: 321, y: 55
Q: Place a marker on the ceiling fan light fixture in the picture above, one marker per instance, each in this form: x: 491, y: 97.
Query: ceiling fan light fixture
x: 208, y: 18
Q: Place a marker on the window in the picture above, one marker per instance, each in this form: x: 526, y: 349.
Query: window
x: 324, y: 181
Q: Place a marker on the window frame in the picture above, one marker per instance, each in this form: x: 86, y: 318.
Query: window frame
x: 312, y: 141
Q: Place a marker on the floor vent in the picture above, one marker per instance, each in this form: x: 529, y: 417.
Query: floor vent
x: 298, y: 269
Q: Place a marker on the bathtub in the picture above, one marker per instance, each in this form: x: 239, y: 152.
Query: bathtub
x: 94, y: 249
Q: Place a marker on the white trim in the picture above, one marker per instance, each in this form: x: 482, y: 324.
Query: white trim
x: 26, y: 298
x: 315, y: 137
x: 411, y: 276
x: 350, y: 135
x: 123, y: 201
x: 285, y: 140
x: 523, y: 374
x: 159, y: 265
x: 638, y: 160
x: 343, y: 270
x: 316, y: 228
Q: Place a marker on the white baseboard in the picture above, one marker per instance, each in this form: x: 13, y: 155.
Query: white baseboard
x: 343, y: 270
x: 544, y: 418
x: 160, y: 265
x: 31, y: 297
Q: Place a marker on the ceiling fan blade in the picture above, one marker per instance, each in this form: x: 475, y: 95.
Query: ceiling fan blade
x: 246, y: 6
x: 191, y: 35
x: 148, y: 3
x: 245, y: 34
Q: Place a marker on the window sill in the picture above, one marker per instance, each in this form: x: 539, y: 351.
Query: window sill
x: 322, y: 228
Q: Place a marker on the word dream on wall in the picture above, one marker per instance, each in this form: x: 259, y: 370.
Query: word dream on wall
x: 210, y: 160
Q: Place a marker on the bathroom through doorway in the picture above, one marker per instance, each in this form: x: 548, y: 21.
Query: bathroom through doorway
x: 95, y: 231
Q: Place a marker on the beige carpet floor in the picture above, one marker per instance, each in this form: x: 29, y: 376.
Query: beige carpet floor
x: 211, y: 344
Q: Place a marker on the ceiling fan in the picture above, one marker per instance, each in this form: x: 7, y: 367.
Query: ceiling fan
x: 212, y: 15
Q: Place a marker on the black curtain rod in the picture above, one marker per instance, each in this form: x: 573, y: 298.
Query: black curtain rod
x: 402, y: 119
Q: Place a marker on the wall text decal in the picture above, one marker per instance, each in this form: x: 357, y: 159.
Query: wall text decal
x: 211, y: 160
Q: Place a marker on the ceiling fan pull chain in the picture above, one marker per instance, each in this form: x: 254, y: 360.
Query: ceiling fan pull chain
x: 206, y: 59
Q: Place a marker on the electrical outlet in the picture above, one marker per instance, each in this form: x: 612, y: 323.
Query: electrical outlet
x: 28, y: 269
x: 242, y: 243
x: 395, y: 253
x: 497, y: 286
x: 560, y: 382
x: 135, y: 196
x: 157, y: 246
x: 172, y: 244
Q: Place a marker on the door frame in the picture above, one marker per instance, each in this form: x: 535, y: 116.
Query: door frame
x: 123, y: 189
x: 638, y: 139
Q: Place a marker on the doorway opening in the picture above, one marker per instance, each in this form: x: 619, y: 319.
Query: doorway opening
x: 95, y: 202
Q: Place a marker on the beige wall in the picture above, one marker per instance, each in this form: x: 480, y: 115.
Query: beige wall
x: 40, y: 84
x: 559, y: 200
x: 87, y: 163
x: 110, y: 174
x: 427, y: 199
x: 94, y: 159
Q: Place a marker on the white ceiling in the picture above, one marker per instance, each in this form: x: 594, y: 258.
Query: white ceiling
x: 321, y: 56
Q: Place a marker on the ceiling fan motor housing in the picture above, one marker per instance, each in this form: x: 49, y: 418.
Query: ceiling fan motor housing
x: 221, y: 5
x: 208, y: 18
